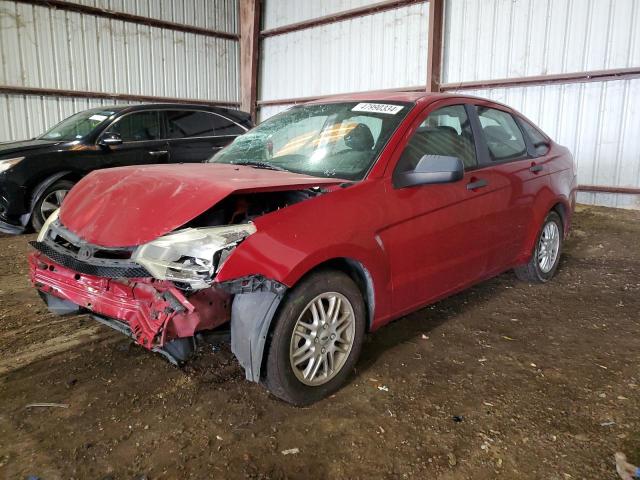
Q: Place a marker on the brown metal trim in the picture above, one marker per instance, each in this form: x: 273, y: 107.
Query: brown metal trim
x: 559, y: 78
x: 127, y: 17
x: 54, y: 92
x: 295, y: 100
x: 434, y: 60
x: 249, y: 52
x: 338, y: 17
x: 605, y: 189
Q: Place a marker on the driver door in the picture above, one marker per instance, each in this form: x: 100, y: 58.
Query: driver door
x: 142, y: 140
x: 436, y: 240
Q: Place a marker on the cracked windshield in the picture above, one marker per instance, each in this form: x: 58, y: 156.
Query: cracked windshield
x: 339, y: 140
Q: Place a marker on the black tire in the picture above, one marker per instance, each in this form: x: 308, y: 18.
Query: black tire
x: 280, y: 378
x: 532, y: 271
x: 37, y: 219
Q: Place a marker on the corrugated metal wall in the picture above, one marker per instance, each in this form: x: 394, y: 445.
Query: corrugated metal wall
x: 492, y: 39
x: 598, y: 121
x: 376, y: 51
x: 211, y: 14
x: 278, y: 13
x: 50, y: 48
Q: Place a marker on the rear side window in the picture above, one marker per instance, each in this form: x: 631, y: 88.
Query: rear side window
x: 224, y: 126
x: 189, y: 123
x: 540, y: 143
x: 138, y: 127
x: 446, y: 132
x: 503, y: 136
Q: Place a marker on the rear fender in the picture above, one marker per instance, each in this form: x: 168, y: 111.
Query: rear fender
x: 544, y: 203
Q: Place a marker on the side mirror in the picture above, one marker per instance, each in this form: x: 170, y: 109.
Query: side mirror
x: 110, y: 139
x: 431, y: 169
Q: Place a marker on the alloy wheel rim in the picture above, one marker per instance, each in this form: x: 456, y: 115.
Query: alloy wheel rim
x: 322, y: 338
x: 52, y: 202
x: 548, y: 247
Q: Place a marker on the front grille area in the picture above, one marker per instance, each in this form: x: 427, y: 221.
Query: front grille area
x: 99, y: 270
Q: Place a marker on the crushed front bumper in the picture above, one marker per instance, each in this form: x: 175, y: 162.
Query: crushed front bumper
x: 154, y: 311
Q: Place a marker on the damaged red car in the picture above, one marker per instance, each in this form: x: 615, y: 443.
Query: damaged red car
x: 325, y: 222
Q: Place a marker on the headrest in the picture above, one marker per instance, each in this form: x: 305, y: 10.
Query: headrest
x: 359, y: 138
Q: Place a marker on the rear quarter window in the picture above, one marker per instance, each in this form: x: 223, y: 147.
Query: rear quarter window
x: 541, y: 144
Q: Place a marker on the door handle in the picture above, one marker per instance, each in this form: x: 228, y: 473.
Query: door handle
x: 156, y: 153
x: 477, y: 184
x: 216, y: 148
x: 535, y: 168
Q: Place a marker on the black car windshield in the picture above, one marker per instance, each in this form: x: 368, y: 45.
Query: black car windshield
x: 340, y: 140
x: 77, y: 126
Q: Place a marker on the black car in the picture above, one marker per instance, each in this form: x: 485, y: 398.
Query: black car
x: 35, y: 175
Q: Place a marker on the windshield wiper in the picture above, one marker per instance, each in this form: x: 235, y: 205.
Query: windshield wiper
x: 265, y: 165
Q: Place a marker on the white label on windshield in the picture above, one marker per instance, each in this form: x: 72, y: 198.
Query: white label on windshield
x: 377, y: 108
x: 97, y: 117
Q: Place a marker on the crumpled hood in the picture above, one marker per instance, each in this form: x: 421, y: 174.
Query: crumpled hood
x: 23, y: 147
x: 128, y: 206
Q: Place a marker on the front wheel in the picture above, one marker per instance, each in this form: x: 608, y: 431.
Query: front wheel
x: 546, y: 256
x: 49, y: 202
x: 317, y: 338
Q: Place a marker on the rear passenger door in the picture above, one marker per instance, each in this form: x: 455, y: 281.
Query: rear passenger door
x: 436, y: 236
x: 516, y: 178
x: 196, y: 135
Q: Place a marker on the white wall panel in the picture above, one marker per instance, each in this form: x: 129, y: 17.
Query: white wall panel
x: 271, y: 110
x: 491, y: 39
x: 597, y: 121
x: 50, y: 48
x: 211, y: 14
x: 383, y: 50
x: 27, y: 116
x: 284, y: 12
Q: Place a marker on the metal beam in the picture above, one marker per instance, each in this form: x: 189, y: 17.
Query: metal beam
x: 605, y: 189
x: 295, y: 100
x: 338, y: 17
x: 434, y: 60
x: 127, y: 17
x: 558, y: 78
x: 55, y: 92
x: 249, y: 51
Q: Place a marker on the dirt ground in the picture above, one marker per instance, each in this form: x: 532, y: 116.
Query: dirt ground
x: 505, y: 380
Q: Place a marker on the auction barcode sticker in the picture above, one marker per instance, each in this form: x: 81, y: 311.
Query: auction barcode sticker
x: 377, y: 108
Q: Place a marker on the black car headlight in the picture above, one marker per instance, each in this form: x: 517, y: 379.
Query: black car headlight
x: 192, y: 255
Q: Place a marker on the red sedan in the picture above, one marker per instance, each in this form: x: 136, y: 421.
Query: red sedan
x: 326, y: 221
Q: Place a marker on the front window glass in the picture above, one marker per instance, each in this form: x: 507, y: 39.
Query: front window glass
x: 77, y: 126
x: 504, y: 138
x: 137, y: 127
x: 446, y: 132
x: 340, y: 140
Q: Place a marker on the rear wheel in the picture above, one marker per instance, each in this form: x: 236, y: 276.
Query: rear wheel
x: 546, y: 256
x: 48, y: 202
x: 317, y: 338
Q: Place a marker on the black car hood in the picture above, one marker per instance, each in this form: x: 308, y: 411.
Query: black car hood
x: 16, y: 149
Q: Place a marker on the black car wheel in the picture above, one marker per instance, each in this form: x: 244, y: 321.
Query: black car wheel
x: 546, y: 255
x: 49, y: 202
x: 317, y: 338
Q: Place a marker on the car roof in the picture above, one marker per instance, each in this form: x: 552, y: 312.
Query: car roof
x: 399, y: 96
